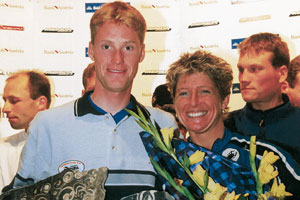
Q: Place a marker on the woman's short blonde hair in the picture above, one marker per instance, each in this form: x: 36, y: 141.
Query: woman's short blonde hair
x: 218, y: 70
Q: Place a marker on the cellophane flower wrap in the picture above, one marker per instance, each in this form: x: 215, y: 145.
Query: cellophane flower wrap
x: 189, y: 171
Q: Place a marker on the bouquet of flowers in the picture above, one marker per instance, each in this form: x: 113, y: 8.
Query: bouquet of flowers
x: 195, y: 170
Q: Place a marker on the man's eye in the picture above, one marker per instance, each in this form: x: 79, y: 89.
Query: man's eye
x: 252, y: 69
x: 106, y: 47
x: 14, y: 101
x: 129, y: 48
x: 241, y: 70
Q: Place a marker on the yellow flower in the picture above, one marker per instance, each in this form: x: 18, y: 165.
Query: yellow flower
x: 178, y: 181
x: 264, y: 196
x: 199, y: 175
x: 269, y: 157
x: 266, y: 173
x: 216, y: 190
x: 266, y: 170
x: 167, y: 134
x: 279, y: 190
x: 231, y: 196
x: 196, y: 157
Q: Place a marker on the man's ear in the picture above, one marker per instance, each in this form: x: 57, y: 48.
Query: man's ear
x: 42, y: 103
x: 284, y: 87
x: 91, y: 51
x: 142, y: 54
x: 283, y: 72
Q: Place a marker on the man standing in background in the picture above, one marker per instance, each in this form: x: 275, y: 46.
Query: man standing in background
x: 88, y: 78
x: 263, y: 67
x: 291, y: 86
x: 25, y: 94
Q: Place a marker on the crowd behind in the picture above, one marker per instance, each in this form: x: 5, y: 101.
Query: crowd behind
x: 96, y: 130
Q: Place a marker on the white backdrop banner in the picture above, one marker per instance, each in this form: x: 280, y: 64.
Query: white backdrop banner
x: 53, y: 36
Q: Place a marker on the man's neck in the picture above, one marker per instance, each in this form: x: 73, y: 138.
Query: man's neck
x: 267, y: 105
x: 111, y: 102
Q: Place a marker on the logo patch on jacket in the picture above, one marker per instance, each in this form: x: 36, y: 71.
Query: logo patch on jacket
x: 231, y: 154
x: 71, y: 164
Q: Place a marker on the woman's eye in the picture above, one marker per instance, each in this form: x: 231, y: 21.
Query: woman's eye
x: 182, y: 93
x: 205, y: 91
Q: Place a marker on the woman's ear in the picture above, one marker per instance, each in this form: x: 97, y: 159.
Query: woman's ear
x: 225, y: 102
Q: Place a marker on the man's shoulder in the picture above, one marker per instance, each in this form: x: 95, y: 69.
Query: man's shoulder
x: 161, y: 117
x: 15, y: 139
x: 58, y: 111
x: 155, y: 112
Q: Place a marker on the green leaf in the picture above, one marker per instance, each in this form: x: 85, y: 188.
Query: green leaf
x: 186, y: 161
x: 141, y: 114
x: 132, y: 113
x: 180, y: 188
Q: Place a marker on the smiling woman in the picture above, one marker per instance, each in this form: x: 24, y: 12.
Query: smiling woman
x: 200, y: 84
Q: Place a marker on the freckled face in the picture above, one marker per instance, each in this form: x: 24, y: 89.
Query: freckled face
x: 117, y: 52
x: 197, y: 103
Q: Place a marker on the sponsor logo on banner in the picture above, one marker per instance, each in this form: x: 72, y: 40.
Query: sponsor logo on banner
x: 295, y: 14
x: 199, y: 47
x: 158, y: 51
x: 71, y: 164
x: 204, y: 24
x: 9, y: 5
x: 236, y: 42
x: 200, y: 3
x: 12, y: 51
x: 244, y: 1
x: 58, y: 52
x: 294, y: 37
x: 58, y: 7
x: 58, y: 95
x: 144, y: 94
x: 256, y: 18
x: 11, y: 28
x: 59, y: 73
x: 236, y: 88
x: 3, y: 72
x: 154, y: 6
x: 86, y: 52
x: 57, y: 30
x: 158, y: 29
x: 154, y: 72
x: 92, y: 7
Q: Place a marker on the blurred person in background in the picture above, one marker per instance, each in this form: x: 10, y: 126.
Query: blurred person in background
x: 88, y: 78
x: 291, y: 86
x: 25, y: 94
